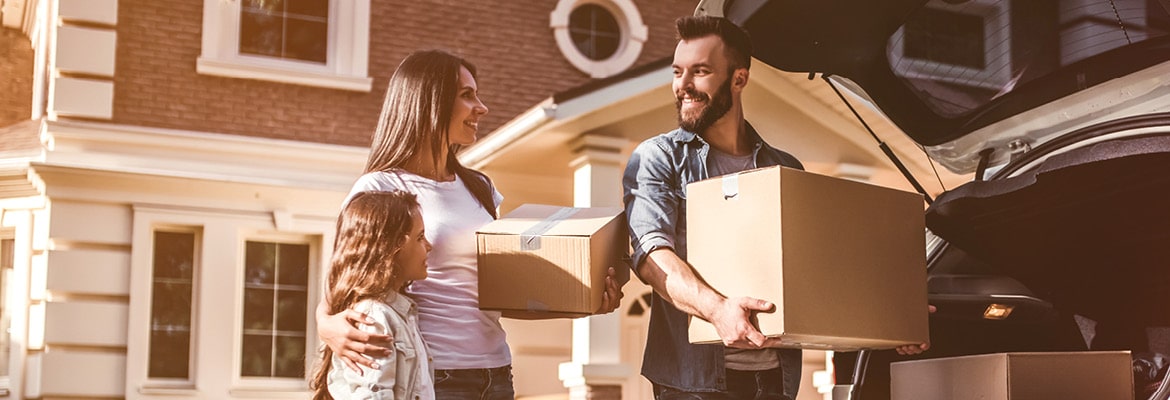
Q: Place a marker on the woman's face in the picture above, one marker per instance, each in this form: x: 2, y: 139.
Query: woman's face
x: 411, y: 259
x: 467, y: 111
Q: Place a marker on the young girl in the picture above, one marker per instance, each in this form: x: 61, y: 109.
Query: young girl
x: 380, y: 248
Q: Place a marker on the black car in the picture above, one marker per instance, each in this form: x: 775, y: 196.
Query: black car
x: 1061, y: 108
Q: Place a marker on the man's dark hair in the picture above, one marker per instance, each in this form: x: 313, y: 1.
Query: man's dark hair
x: 736, y: 41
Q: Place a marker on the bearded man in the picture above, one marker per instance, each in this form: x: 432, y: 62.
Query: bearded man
x: 711, y: 65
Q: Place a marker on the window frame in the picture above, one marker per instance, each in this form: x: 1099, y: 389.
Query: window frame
x: 633, y: 35
x: 196, y: 268
x: 218, y: 309
x: 9, y: 301
x: 347, y: 57
x: 252, y: 383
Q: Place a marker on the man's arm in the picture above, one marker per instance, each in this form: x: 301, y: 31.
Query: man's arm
x: 675, y: 280
x: 653, y: 207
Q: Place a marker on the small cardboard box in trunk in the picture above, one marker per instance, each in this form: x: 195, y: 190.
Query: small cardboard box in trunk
x: 550, y: 262
x: 844, y: 262
x: 1016, y: 376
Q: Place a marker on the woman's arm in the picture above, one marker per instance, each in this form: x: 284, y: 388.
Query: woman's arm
x: 376, y: 379
x: 353, y: 346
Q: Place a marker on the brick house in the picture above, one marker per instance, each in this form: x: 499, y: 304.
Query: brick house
x: 170, y: 172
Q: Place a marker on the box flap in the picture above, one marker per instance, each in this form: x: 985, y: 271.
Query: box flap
x: 545, y: 220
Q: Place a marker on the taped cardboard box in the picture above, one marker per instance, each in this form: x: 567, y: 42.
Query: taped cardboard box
x: 844, y: 261
x: 550, y: 262
x: 1016, y: 376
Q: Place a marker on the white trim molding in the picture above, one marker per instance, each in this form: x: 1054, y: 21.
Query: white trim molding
x: 633, y: 35
x: 346, y: 62
x: 200, y: 155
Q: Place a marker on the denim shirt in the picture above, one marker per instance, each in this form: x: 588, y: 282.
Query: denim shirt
x: 654, y: 193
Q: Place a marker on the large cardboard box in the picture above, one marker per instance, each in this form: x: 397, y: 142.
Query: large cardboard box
x: 1016, y: 376
x: 550, y: 262
x: 844, y: 261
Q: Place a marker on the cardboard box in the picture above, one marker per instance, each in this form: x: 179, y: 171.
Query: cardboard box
x: 844, y: 261
x: 1016, y: 376
x: 550, y: 262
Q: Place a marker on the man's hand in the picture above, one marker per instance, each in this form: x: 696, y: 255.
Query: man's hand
x: 612, y: 298
x: 354, y: 346
x: 912, y: 349
x: 733, y: 320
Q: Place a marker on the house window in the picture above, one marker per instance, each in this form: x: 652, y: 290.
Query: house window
x: 276, y: 277
x: 221, y: 303
x: 595, y: 31
x: 599, y: 37
x: 307, y: 42
x: 173, y: 284
x: 295, y: 30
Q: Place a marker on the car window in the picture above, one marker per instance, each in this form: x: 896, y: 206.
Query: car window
x: 959, y: 55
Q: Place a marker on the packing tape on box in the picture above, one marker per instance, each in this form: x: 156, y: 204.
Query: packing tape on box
x: 730, y: 186
x: 530, y: 238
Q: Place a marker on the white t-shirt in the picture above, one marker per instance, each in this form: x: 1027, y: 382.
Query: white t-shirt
x: 459, y: 335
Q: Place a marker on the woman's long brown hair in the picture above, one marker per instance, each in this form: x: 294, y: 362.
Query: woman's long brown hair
x: 418, y: 106
x: 370, y: 230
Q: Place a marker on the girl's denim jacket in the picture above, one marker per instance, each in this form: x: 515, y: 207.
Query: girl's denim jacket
x: 405, y: 374
x: 654, y: 193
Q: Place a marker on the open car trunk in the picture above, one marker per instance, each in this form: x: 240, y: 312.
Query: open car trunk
x: 1070, y: 100
x: 1088, y: 229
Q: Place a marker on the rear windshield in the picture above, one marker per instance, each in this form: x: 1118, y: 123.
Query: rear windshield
x: 959, y: 55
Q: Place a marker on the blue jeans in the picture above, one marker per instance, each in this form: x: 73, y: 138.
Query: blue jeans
x: 741, y: 385
x: 484, y: 384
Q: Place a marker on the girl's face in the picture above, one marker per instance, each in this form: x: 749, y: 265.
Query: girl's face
x: 467, y: 111
x: 411, y: 260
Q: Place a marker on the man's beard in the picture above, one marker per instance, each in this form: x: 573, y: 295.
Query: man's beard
x: 717, y: 106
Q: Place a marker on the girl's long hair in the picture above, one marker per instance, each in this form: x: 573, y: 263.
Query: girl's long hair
x: 370, y: 231
x: 417, y: 109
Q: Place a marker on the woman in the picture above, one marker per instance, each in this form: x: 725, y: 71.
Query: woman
x: 432, y: 108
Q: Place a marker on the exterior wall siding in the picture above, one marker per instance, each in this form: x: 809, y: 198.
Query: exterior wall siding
x: 85, y: 321
x: 16, y: 84
x: 510, y: 42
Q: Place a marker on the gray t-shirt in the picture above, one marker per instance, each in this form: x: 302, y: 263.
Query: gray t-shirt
x: 720, y: 163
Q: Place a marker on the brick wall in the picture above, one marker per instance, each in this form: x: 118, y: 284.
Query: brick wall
x: 510, y: 41
x: 16, y: 76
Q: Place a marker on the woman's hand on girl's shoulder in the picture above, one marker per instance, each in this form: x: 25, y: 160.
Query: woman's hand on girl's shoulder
x: 354, y: 346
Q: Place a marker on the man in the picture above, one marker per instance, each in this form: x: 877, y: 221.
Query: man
x: 711, y: 63
x: 710, y: 66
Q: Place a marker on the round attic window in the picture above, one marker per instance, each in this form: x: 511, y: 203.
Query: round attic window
x: 599, y: 37
x: 595, y: 31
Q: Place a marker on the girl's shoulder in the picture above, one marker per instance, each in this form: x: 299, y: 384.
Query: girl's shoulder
x: 376, y: 309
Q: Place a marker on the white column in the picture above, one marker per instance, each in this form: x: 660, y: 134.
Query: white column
x: 596, y: 370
